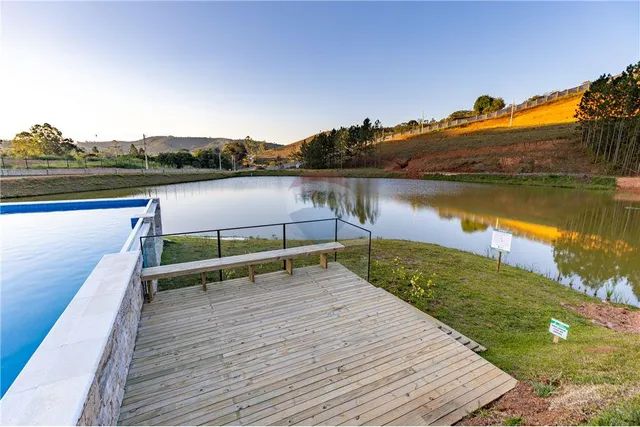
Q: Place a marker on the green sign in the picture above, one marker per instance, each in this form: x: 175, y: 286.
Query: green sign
x: 559, y: 329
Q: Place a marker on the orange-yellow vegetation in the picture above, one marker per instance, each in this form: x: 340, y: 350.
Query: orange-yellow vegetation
x: 560, y: 111
x: 552, y: 113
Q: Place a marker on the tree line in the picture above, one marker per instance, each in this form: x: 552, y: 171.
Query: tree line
x: 609, y: 117
x: 345, y: 147
x: 46, y: 142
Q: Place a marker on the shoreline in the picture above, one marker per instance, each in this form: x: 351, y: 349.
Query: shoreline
x: 13, y: 187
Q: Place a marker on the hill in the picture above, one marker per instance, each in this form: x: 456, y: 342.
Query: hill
x: 286, y: 151
x: 544, y: 149
x: 540, y: 139
x: 160, y: 144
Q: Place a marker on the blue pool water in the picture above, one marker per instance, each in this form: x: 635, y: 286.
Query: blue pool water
x: 45, y: 258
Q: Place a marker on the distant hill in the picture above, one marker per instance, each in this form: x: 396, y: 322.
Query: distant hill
x: 160, y: 144
x: 286, y: 151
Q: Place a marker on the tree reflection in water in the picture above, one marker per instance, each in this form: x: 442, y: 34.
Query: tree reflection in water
x: 355, y: 198
x: 601, y: 244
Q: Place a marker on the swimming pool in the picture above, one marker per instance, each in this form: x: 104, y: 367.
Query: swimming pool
x: 47, y: 250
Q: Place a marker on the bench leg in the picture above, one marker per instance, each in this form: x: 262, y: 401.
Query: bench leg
x: 203, y: 280
x: 323, y: 261
x: 289, y: 266
x: 148, y: 290
x: 252, y: 274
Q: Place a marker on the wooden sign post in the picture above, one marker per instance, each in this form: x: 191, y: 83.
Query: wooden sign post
x: 501, y: 241
x: 559, y: 330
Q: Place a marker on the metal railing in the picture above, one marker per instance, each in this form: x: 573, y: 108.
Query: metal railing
x: 346, y: 234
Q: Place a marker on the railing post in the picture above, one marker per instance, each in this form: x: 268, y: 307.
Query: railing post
x: 284, y: 243
x: 369, y: 260
x: 219, y: 252
x: 335, y: 239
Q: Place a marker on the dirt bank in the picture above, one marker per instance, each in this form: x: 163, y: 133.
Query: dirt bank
x: 629, y: 184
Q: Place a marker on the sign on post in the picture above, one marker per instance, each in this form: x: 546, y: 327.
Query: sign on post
x: 558, y: 329
x: 501, y: 241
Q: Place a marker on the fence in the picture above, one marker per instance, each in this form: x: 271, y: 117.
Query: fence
x: 216, y: 243
x: 106, y: 171
x: 445, y: 124
x: 7, y: 162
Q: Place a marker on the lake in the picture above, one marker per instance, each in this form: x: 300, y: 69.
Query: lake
x: 588, y: 240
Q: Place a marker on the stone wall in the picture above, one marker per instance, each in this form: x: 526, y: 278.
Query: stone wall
x: 107, y: 389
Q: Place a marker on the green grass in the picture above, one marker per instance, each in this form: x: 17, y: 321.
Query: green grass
x: 46, y: 185
x: 507, y: 312
x: 624, y: 414
x: 346, y: 173
x: 543, y: 389
x: 184, y: 248
x: 550, y: 180
x: 514, y: 421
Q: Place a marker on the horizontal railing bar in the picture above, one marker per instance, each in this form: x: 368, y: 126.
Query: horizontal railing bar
x: 243, y: 227
x: 354, y: 225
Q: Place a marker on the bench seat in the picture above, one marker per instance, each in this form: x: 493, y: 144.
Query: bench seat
x: 215, y: 264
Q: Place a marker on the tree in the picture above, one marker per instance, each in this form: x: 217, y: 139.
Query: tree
x: 344, y: 146
x: 178, y: 159
x: 254, y: 148
x: 206, y: 158
x: 94, y: 150
x: 461, y: 114
x: 236, y: 150
x: 488, y: 104
x: 42, y: 140
x: 133, y: 151
x: 609, y: 117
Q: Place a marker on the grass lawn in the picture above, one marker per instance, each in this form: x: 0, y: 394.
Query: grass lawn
x: 508, y: 312
x: 26, y: 186
x: 544, y: 180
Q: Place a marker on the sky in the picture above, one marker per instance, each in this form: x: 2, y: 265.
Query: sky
x: 283, y: 71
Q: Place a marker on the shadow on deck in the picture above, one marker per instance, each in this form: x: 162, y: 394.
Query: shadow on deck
x: 318, y: 347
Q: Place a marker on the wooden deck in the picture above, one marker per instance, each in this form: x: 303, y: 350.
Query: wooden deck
x: 319, y: 347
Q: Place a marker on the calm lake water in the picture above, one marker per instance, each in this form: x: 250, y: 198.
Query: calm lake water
x: 588, y: 240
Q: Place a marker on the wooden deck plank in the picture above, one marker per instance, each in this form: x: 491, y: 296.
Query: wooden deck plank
x: 321, y: 346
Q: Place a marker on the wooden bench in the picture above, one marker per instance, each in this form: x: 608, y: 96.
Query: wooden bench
x: 248, y: 260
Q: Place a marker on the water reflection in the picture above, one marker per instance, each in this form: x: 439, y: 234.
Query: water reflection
x: 344, y: 198
x: 595, y: 238
x: 587, y: 240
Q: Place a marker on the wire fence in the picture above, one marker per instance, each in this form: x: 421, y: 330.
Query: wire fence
x: 445, y: 124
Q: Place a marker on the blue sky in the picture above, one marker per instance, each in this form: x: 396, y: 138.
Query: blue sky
x: 282, y: 71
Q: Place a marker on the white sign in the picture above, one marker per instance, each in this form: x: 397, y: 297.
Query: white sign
x: 501, y: 240
x: 559, y: 329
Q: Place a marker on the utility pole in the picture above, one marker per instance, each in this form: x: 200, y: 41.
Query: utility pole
x: 421, y: 121
x: 144, y: 145
x: 513, y: 106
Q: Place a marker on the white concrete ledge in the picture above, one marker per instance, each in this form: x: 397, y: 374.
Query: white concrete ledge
x: 67, y: 372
